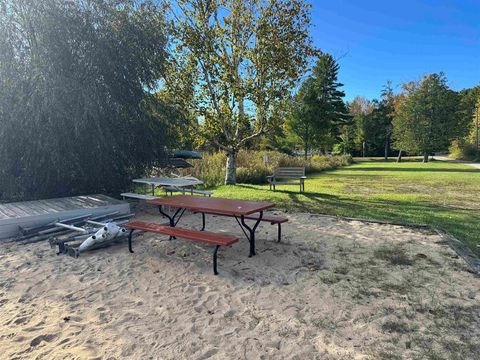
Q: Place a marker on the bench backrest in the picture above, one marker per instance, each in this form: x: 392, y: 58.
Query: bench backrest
x: 289, y: 172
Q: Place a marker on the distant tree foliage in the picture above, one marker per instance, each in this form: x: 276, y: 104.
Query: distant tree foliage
x: 469, y: 99
x: 318, y: 109
x: 75, y: 114
x: 426, y: 119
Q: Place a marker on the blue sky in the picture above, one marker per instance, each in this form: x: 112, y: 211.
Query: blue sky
x: 375, y: 41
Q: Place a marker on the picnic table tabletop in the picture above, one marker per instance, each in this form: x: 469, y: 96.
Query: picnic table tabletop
x: 232, y: 207
x: 166, y: 181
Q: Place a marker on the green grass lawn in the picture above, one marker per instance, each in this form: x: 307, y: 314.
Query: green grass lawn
x: 444, y: 195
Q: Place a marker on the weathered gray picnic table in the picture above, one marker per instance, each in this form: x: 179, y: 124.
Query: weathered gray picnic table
x: 181, y: 184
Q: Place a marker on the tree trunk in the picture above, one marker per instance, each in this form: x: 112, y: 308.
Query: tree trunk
x: 231, y: 168
x: 387, y: 147
x: 399, y: 158
x: 387, y: 140
x: 425, y: 157
x: 306, y: 153
x: 363, y: 148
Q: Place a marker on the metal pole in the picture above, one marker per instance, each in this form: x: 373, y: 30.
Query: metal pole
x: 476, y: 127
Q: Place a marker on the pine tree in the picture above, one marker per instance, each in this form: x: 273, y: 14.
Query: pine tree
x: 319, y: 109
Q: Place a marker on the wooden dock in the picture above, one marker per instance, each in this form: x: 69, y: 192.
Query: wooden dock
x: 39, y: 212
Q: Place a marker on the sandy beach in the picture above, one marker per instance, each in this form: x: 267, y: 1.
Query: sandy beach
x: 333, y: 289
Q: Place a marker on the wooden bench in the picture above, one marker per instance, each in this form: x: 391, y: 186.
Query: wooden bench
x: 172, y: 189
x: 284, y: 175
x: 194, y: 235
x: 138, y: 196
x: 272, y: 219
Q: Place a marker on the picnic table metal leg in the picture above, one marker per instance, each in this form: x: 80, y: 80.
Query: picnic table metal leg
x: 252, y: 230
x: 279, y: 232
x: 130, y: 241
x: 203, y: 222
x: 215, y: 260
x: 171, y: 219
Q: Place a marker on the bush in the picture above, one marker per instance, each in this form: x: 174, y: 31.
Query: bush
x: 254, y: 166
x: 462, y: 150
x: 211, y: 169
x: 252, y: 174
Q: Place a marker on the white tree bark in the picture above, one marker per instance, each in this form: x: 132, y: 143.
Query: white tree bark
x: 231, y: 168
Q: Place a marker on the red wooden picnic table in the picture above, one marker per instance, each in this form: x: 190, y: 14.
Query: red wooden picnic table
x: 239, y: 209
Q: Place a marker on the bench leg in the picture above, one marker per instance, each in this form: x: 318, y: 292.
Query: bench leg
x: 279, y: 232
x: 203, y: 221
x: 215, y: 260
x: 130, y: 241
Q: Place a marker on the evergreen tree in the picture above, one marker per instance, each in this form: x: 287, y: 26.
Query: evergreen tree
x: 387, y: 111
x: 319, y: 110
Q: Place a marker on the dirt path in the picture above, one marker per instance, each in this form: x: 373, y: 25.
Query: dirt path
x: 445, y: 158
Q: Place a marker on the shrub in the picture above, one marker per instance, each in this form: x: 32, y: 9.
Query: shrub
x: 252, y: 174
x: 211, y: 169
x: 254, y: 166
x: 462, y: 150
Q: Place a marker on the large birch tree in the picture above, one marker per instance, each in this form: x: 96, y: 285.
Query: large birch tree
x: 233, y: 62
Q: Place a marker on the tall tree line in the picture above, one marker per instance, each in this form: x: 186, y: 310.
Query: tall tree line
x: 425, y: 117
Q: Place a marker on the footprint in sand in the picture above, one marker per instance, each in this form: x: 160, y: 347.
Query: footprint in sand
x: 21, y: 320
x: 46, y: 337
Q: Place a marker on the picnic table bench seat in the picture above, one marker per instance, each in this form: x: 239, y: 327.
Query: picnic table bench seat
x: 272, y: 219
x: 172, y: 189
x: 188, y: 234
x: 138, y: 196
x: 286, y: 175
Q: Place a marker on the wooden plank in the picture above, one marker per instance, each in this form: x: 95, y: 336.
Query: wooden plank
x: 211, y: 204
x: 51, y: 206
x: 80, y: 202
x: 99, y: 200
x: 204, y: 236
x: 3, y: 215
x: 13, y: 210
x: 34, y: 208
x: 38, y: 205
x: 8, y: 211
x: 16, y: 210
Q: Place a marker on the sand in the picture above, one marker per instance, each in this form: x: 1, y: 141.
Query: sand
x: 332, y: 289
